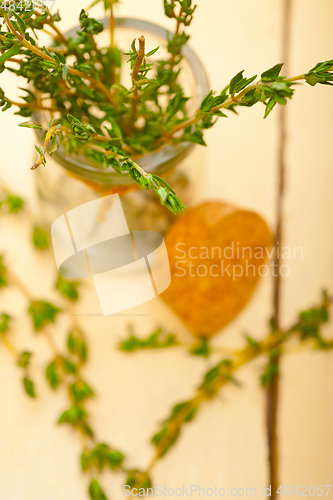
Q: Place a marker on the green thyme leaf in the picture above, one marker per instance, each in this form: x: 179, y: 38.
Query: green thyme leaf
x: 322, y: 73
x: 68, y: 288
x: 40, y: 238
x: 159, y: 339
x: 235, y: 80
x: 254, y: 344
x: 3, y: 274
x: 90, y: 25
x: 5, y: 320
x: 29, y: 387
x: 68, y: 365
x: 101, y: 456
x: 24, y: 359
x: 20, y: 22
x: 73, y: 416
x: 42, y: 313
x: 203, y: 348
x: 14, y: 203
x: 52, y: 375
x: 10, y: 53
x: 95, y: 491
x: 31, y: 124
x: 272, y: 73
x: 55, y: 144
x: 152, y: 52
x: 76, y: 345
x: 80, y: 391
x: 65, y: 69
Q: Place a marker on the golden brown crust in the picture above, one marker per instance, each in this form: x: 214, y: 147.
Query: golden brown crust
x: 208, y: 303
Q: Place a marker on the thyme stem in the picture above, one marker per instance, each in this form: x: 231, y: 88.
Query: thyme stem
x: 71, y: 70
x: 9, y: 346
x: 112, y: 24
x: 239, y: 359
x: 196, y: 118
x: 33, y: 106
x: 48, y: 138
x: 135, y: 75
x: 226, y: 369
x: 50, y: 340
x: 173, y: 57
x: 100, y: 149
x: 13, y: 278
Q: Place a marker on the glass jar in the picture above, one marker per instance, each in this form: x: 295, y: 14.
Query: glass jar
x: 69, y: 181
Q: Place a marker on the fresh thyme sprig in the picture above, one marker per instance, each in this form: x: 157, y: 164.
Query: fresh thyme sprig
x: 22, y: 358
x: 63, y: 370
x: 151, y: 113
x: 11, y: 203
x: 271, y: 89
x: 159, y: 339
x: 307, y: 328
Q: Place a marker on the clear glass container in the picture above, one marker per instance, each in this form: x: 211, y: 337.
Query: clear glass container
x: 69, y: 181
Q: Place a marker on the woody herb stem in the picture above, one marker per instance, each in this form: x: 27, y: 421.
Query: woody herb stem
x: 135, y: 75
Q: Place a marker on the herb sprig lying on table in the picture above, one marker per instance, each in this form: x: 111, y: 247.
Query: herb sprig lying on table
x: 307, y: 331
x: 130, y: 122
x: 65, y: 368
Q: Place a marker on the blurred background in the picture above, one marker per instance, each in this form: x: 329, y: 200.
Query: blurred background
x: 226, y: 444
